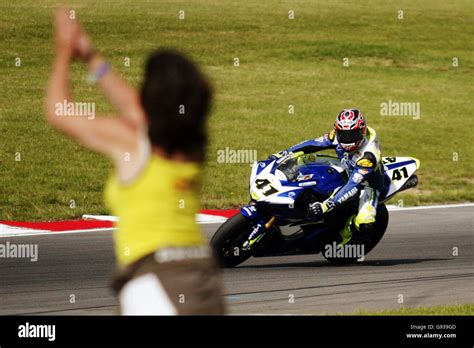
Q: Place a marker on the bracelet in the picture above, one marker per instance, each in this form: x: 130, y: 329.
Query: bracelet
x: 99, y: 73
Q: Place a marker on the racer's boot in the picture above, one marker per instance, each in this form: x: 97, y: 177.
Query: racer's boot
x: 350, y: 233
x: 364, y: 221
x: 362, y: 234
x: 364, y: 224
x: 345, y: 235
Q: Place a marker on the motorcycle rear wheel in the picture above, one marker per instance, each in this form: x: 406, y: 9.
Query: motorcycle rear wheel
x: 381, y: 223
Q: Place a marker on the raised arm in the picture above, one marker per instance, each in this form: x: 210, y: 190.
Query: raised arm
x: 109, y: 135
x: 119, y: 92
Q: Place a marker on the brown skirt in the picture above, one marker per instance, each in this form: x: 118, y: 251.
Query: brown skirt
x: 172, y: 281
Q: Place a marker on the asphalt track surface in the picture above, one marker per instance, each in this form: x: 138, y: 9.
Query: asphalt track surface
x: 414, y: 260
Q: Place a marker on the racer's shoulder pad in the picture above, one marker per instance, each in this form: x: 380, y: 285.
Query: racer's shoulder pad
x: 330, y: 135
x: 368, y: 160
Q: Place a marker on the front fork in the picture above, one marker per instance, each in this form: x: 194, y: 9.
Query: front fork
x: 260, y: 227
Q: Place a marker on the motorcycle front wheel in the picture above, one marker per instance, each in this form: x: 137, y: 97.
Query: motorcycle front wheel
x: 228, y: 239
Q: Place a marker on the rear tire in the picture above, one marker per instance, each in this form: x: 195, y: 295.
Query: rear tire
x: 381, y: 223
x: 228, y: 239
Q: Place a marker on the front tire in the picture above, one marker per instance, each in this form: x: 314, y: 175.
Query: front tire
x: 228, y: 239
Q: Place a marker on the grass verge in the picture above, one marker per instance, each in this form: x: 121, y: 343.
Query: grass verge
x: 282, y: 62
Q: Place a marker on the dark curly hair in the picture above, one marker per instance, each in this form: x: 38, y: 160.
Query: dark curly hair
x: 177, y: 98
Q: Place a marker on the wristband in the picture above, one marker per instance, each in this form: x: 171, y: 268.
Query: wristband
x: 99, y: 73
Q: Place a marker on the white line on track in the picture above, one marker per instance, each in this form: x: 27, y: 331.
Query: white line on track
x: 30, y: 232
x: 7, y: 231
x: 396, y: 208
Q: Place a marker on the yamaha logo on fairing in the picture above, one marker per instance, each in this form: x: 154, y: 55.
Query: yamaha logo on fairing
x: 308, y: 183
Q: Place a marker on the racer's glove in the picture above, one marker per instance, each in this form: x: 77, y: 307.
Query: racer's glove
x: 318, y: 209
x: 278, y: 155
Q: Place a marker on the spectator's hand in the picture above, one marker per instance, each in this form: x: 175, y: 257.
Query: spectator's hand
x: 83, y: 47
x: 66, y: 32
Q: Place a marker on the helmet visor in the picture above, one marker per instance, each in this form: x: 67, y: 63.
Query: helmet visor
x: 349, y: 136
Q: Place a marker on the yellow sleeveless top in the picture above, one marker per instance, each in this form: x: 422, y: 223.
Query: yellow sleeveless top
x: 156, y: 210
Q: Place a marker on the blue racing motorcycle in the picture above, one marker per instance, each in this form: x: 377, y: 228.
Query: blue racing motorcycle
x: 281, y: 191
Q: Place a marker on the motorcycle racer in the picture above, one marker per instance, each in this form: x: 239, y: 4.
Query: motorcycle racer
x: 358, y: 149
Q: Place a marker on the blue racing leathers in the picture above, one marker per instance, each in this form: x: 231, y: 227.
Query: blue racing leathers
x: 365, y: 174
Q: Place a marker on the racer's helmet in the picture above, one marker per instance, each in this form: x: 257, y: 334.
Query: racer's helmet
x: 350, y: 129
